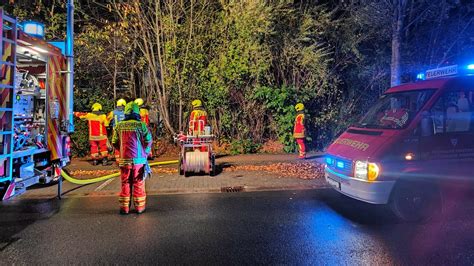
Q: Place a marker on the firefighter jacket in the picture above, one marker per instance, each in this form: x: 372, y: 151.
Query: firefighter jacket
x: 299, y: 130
x: 97, y: 123
x: 197, y: 121
x: 145, y: 116
x: 133, y: 139
x: 117, y: 115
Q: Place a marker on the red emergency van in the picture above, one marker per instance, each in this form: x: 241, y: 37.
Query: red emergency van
x: 418, y: 138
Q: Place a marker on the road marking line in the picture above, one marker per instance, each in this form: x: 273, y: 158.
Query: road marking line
x: 99, y: 188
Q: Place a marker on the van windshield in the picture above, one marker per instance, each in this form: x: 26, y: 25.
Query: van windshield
x: 395, y: 110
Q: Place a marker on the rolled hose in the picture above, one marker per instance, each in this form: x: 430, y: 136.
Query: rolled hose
x: 105, y: 177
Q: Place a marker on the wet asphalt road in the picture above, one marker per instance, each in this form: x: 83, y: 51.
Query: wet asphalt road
x: 287, y: 227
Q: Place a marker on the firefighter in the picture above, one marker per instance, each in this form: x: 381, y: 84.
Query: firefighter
x: 116, y: 116
x: 145, y: 117
x: 144, y: 114
x: 197, y: 122
x: 299, y: 130
x: 197, y: 119
x: 133, y: 139
x: 97, y: 133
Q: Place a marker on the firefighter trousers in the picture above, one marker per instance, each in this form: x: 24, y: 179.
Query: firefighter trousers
x: 301, y: 147
x: 98, y: 148
x: 133, y: 185
x: 117, y: 154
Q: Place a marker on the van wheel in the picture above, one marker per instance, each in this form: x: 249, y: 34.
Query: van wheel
x: 415, y: 201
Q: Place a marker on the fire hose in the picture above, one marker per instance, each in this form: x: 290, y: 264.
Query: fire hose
x: 105, y: 177
x: 196, y: 161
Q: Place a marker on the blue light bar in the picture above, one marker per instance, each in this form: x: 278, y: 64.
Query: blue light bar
x: 453, y: 70
x: 340, y: 165
x: 442, y: 72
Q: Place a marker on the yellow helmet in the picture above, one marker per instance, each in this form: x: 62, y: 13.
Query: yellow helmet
x: 299, y: 107
x: 139, y: 101
x: 121, y: 102
x: 96, y: 107
x: 132, y: 107
x: 196, y: 103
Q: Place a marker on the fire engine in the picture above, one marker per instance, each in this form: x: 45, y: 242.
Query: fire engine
x: 35, y: 105
x: 415, y: 142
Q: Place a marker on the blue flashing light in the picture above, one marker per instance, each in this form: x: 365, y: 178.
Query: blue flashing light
x: 420, y: 76
x: 34, y: 28
x: 340, y: 165
x: 328, y: 160
x: 453, y: 70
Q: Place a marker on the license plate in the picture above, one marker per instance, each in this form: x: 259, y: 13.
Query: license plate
x: 334, y: 183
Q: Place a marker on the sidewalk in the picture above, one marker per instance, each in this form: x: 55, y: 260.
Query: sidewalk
x: 234, y: 176
x: 226, y: 160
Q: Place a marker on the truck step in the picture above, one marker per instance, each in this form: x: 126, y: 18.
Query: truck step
x: 23, y: 183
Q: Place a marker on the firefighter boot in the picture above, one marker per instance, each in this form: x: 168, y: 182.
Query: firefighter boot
x: 105, y: 161
x: 95, y: 162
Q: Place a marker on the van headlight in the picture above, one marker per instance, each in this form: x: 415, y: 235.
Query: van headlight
x: 366, y: 171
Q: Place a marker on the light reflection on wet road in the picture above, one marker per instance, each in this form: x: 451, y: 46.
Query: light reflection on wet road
x: 288, y: 227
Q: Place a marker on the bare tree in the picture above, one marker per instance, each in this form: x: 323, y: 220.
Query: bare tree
x: 399, y: 10
x: 165, y: 32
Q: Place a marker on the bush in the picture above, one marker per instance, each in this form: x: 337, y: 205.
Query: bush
x: 244, y: 146
x: 80, y: 138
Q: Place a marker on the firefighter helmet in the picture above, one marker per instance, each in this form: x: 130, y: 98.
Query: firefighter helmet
x: 132, y: 107
x: 121, y: 102
x: 96, y: 107
x: 299, y: 107
x: 139, y: 101
x: 196, y: 103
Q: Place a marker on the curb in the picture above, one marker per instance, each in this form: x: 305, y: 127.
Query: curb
x: 177, y: 191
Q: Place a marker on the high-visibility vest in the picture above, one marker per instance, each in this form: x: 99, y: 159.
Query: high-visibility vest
x: 197, y: 121
x: 299, y: 130
x: 97, y: 124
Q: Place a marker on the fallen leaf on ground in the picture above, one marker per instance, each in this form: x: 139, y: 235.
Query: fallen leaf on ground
x: 303, y: 170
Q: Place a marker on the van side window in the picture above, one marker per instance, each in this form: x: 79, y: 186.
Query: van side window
x: 453, y: 112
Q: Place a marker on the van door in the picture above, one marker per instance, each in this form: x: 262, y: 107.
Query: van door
x: 449, y: 151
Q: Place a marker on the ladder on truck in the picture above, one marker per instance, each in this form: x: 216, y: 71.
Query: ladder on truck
x: 8, y: 41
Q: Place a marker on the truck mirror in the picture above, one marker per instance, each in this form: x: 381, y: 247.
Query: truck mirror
x: 426, y: 125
